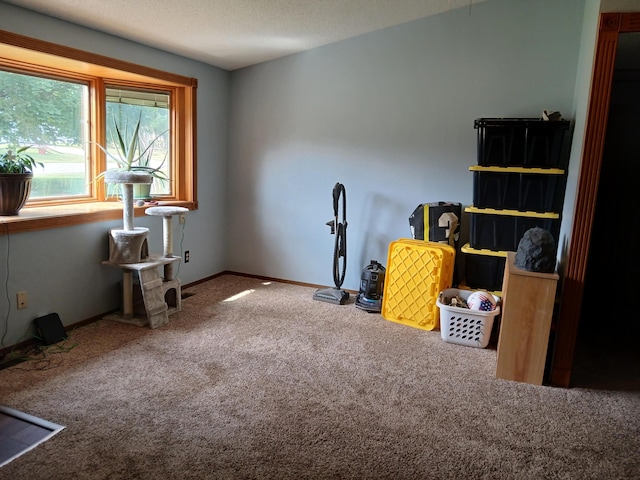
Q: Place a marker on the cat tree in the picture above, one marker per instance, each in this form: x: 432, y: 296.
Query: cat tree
x: 128, y: 250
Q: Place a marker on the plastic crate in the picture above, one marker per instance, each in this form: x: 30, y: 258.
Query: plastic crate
x: 503, y: 229
x: 462, y: 325
x: 484, y: 269
x: 523, y: 142
x: 416, y: 272
x: 517, y: 188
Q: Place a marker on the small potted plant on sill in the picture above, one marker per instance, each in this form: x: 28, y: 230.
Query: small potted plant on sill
x: 16, y: 174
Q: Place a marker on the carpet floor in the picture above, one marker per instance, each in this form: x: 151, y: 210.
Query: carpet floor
x: 256, y: 380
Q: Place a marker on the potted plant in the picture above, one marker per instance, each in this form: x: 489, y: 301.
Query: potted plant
x: 142, y: 191
x: 16, y: 174
x: 133, y: 153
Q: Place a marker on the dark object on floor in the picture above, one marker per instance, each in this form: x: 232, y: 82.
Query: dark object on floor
x: 339, y: 229
x: 50, y: 329
x: 536, y: 251
x: 369, y: 298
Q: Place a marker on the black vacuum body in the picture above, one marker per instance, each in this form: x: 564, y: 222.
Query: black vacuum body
x: 369, y: 297
x: 339, y: 229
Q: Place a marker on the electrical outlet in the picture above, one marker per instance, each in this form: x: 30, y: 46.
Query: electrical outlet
x: 22, y: 300
x: 186, y: 256
x: 181, y: 218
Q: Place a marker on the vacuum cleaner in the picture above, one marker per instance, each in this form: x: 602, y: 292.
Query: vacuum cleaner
x: 369, y: 297
x: 338, y: 228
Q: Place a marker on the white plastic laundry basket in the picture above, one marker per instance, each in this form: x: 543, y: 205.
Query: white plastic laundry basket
x: 462, y: 325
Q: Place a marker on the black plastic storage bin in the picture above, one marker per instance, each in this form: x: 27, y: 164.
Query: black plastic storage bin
x: 503, y: 231
x: 517, y: 188
x: 484, y: 271
x: 522, y: 142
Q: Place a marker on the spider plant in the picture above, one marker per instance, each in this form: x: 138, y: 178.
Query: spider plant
x: 133, y: 153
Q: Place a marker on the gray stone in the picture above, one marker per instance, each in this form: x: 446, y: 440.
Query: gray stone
x: 536, y: 251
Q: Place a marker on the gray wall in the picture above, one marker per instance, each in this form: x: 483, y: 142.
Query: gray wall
x: 390, y: 115
x: 60, y: 268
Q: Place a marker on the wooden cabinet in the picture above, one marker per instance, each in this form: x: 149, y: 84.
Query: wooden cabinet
x: 527, y: 309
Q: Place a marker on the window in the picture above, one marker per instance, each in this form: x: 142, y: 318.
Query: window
x: 49, y: 115
x: 63, y: 102
x: 125, y: 108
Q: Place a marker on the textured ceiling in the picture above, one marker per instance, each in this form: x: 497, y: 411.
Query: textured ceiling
x: 233, y: 34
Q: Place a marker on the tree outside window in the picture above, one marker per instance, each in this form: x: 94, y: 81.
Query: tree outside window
x: 50, y: 116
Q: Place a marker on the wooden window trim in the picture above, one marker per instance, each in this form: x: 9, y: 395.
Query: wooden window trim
x: 26, y: 53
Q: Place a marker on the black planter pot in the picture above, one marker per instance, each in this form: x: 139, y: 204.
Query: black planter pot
x: 14, y: 192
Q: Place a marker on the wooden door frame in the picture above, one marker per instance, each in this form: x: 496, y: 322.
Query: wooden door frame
x: 611, y: 25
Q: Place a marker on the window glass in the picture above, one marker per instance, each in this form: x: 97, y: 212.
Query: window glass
x: 49, y: 116
x: 126, y: 109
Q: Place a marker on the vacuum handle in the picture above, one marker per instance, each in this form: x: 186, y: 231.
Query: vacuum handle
x: 337, y: 190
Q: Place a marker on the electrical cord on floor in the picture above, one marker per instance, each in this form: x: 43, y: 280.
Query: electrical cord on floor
x: 39, y: 356
x: 17, y: 353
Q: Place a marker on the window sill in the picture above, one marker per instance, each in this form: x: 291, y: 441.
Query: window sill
x: 42, y: 218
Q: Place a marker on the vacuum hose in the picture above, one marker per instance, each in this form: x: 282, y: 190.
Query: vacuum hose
x: 340, y: 247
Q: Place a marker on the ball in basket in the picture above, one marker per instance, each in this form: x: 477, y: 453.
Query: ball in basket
x: 481, y: 301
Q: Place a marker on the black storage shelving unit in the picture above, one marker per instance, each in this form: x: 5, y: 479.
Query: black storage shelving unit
x: 519, y: 183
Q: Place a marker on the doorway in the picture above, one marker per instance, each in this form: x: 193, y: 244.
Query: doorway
x: 611, y: 27
x: 607, y: 353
